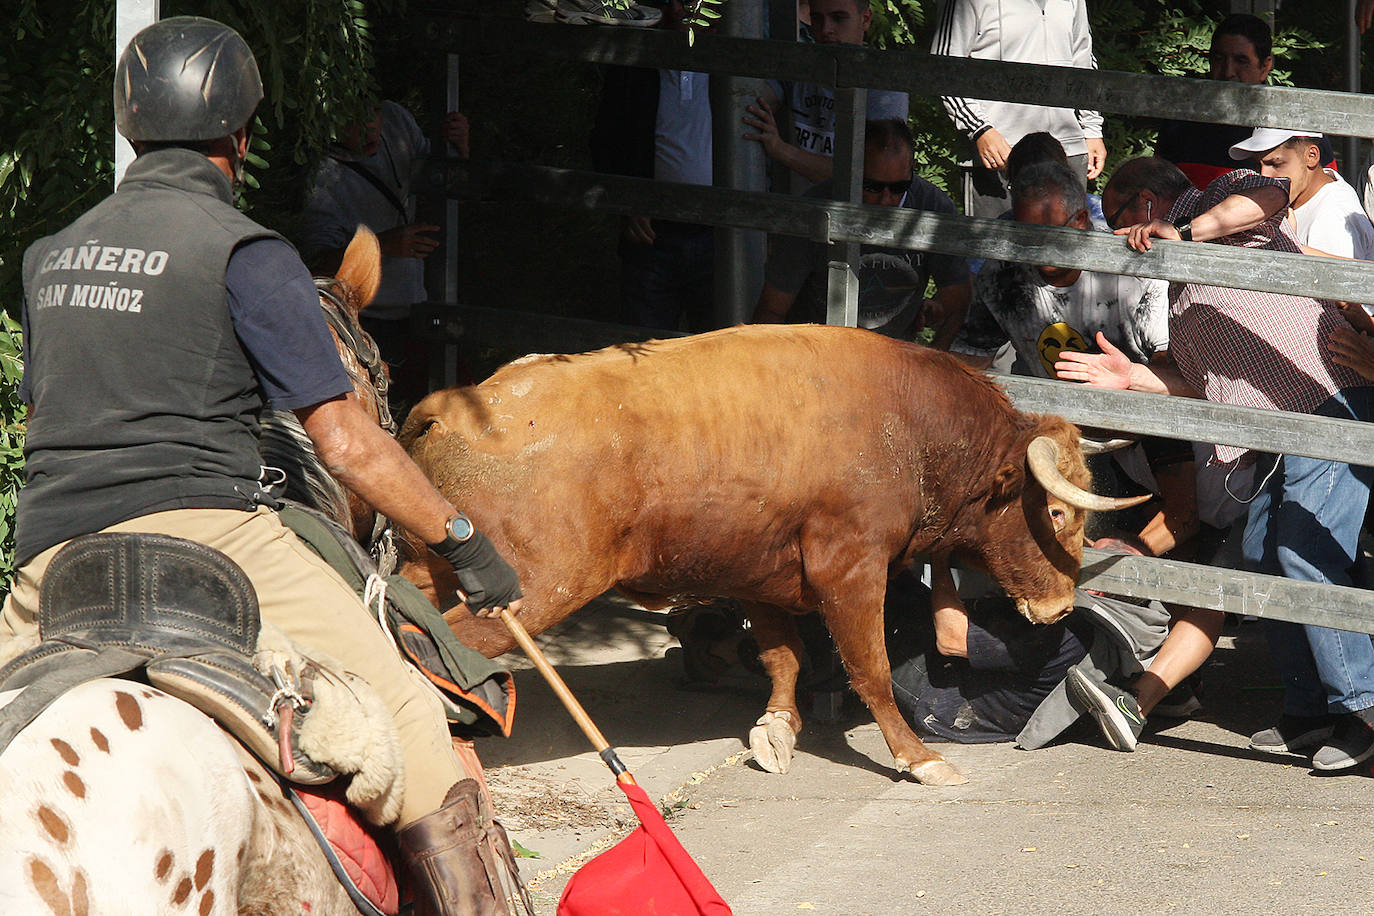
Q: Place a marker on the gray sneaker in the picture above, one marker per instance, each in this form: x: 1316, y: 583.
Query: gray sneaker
x: 1116, y: 711
x: 1351, y: 743
x: 1293, y: 734
x: 1179, y: 703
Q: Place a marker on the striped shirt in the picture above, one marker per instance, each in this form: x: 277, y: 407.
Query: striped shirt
x: 1249, y: 348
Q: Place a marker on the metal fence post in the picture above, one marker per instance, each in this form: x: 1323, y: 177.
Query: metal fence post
x: 842, y: 294
x: 440, y: 326
x: 741, y: 164
x: 1351, y: 166
x: 131, y: 17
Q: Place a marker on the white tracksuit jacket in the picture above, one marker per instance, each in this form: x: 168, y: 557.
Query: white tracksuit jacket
x: 1023, y: 31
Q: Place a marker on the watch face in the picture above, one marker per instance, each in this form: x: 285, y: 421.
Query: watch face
x: 460, y: 528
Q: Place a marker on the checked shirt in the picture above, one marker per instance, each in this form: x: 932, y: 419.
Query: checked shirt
x: 1249, y: 348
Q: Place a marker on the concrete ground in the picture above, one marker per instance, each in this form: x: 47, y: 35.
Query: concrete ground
x: 1192, y: 822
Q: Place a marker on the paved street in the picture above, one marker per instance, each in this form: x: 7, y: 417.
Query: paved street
x: 1193, y: 822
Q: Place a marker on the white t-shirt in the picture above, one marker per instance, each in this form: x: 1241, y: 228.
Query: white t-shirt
x: 1334, y: 221
x: 1012, y: 302
x: 682, y: 130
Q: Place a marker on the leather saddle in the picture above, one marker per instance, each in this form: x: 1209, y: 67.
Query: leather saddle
x: 178, y: 613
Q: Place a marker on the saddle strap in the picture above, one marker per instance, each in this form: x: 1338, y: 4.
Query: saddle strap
x: 40, y: 695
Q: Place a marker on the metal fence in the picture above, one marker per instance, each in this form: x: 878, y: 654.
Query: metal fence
x: 841, y: 223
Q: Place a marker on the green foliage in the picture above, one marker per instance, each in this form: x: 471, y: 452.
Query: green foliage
x: 57, y: 149
x: 57, y: 157
x: 700, y: 14
x: 56, y: 73
x: 897, y: 22
x: 13, y: 416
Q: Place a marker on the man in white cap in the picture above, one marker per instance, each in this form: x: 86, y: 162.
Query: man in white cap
x: 1325, y: 213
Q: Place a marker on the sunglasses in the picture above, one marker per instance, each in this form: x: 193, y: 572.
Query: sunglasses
x: 1115, y: 217
x: 893, y: 187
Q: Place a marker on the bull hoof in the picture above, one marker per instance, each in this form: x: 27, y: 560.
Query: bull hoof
x: 937, y: 773
x: 772, y: 740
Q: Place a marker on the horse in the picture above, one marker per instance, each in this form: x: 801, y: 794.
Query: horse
x: 120, y: 798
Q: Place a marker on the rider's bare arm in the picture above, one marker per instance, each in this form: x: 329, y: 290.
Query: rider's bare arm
x: 361, y: 455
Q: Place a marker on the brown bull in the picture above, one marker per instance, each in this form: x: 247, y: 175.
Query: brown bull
x: 793, y: 468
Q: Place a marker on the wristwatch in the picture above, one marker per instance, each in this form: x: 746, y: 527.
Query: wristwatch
x: 458, y: 530
x: 1185, y: 231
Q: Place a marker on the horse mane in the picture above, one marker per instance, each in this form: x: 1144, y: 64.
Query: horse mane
x: 283, y: 443
x: 285, y: 447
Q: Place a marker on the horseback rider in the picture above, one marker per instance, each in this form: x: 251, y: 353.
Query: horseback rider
x: 156, y: 327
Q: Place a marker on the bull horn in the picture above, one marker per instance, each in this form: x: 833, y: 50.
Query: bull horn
x: 1043, y: 457
x: 1102, y: 446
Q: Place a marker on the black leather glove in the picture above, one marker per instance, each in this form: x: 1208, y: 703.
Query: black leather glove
x: 488, y: 581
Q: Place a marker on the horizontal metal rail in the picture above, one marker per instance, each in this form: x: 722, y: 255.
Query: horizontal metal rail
x: 1229, y: 590
x: 1196, y: 420
x: 920, y: 73
x: 897, y: 227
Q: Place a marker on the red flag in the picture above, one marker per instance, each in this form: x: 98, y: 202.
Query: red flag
x: 646, y: 873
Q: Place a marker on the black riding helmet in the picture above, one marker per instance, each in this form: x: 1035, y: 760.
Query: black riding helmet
x: 185, y: 79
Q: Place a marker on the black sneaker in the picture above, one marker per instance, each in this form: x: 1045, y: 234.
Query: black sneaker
x: 1351, y: 742
x: 1293, y: 734
x: 1116, y: 711
x: 1182, y: 701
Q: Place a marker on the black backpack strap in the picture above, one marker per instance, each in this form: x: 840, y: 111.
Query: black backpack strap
x: 364, y: 173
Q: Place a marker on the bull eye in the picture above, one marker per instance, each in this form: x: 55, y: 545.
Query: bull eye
x: 1059, y: 517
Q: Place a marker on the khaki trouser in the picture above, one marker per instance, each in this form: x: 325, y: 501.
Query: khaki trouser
x: 299, y: 593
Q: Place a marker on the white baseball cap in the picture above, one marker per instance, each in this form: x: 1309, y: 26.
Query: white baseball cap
x: 1266, y: 138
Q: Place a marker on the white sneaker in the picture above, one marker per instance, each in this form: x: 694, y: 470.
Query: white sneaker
x: 601, y: 12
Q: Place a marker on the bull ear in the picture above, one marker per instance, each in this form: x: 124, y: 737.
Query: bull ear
x: 1008, y: 483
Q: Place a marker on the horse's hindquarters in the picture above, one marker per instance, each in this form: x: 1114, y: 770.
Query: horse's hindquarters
x: 121, y: 799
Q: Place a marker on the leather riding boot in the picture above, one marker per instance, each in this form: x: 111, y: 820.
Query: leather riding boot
x: 450, y: 860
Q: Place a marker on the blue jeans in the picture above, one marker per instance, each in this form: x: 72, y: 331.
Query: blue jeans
x: 1304, y: 525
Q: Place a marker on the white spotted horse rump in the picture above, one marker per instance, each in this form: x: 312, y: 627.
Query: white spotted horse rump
x: 120, y: 799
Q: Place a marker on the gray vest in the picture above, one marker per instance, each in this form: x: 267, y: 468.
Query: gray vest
x: 144, y: 399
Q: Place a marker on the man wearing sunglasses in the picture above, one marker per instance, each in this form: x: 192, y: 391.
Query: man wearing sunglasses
x: 892, y: 282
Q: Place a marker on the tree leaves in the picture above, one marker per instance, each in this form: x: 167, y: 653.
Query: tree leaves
x: 57, y: 142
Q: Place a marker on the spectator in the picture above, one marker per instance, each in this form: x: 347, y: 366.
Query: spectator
x: 366, y: 180
x: 657, y: 124
x: 1325, y: 213
x: 1043, y: 309
x: 1241, y: 52
x: 1024, y: 31
x: 986, y: 674
x: 812, y: 107
x: 1270, y: 351
x: 892, y: 282
x: 1030, y: 149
